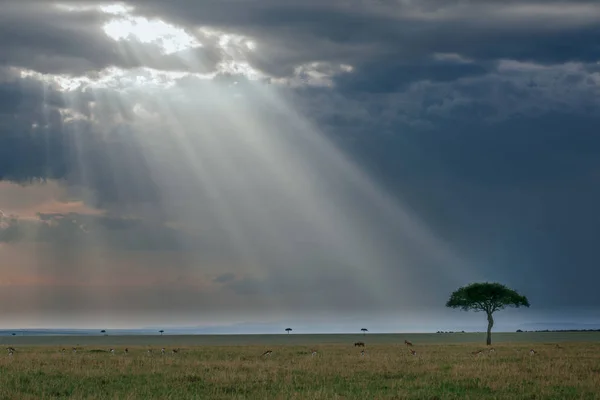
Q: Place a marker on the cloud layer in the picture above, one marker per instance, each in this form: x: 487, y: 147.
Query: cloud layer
x: 311, y: 155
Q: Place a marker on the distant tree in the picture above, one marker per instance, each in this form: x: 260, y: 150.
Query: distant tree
x: 103, y: 331
x: 364, y: 331
x: 14, y: 334
x: 288, y: 330
x: 487, y: 297
x: 161, y: 332
x: 519, y: 331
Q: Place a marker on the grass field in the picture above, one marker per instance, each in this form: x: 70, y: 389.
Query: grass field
x: 221, y: 368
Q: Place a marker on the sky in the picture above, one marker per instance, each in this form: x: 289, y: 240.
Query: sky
x: 320, y: 165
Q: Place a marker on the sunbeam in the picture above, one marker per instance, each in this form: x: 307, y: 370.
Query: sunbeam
x: 204, y: 189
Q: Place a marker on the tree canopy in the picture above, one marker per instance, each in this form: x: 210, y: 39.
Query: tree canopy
x: 488, y: 297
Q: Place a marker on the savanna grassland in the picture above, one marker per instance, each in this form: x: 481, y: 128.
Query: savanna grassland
x: 338, y: 371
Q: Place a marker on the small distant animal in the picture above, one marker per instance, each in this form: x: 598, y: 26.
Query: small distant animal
x: 175, y: 351
x: 112, y: 351
x: 10, y: 349
x: 149, y: 352
x: 362, y: 353
x: 313, y: 352
x: 162, y: 351
x: 558, y: 346
x: 413, y: 352
x: 63, y: 350
x: 532, y: 352
x: 126, y: 350
x: 359, y: 344
x: 74, y: 349
x: 492, y: 350
x: 406, y: 342
x: 478, y: 352
x: 267, y: 353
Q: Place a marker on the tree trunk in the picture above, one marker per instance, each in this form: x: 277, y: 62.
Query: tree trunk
x: 489, y: 329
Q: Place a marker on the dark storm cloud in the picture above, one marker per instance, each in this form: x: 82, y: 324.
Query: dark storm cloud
x: 366, y: 34
x: 519, y: 197
x: 37, y: 142
x: 80, y: 230
x: 394, y: 75
x: 293, y: 33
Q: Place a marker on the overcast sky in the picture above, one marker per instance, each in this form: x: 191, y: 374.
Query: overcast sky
x: 330, y: 163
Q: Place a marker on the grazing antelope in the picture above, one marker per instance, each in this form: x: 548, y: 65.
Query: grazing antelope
x: 175, y: 351
x: 10, y: 349
x: 162, y: 351
x: 74, y: 349
x: 313, y: 353
x: 267, y: 353
x: 126, y: 350
x: 63, y: 350
x: 492, y: 350
x: 359, y: 344
x: 413, y: 352
x: 362, y: 353
x: 477, y: 353
x: 532, y: 352
x: 406, y: 342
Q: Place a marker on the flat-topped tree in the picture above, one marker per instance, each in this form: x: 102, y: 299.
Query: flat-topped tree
x: 487, y: 297
x: 364, y: 331
x: 288, y: 330
x: 161, y: 332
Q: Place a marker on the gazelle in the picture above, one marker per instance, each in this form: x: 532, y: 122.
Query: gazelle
x: 362, y: 353
x: 413, y: 352
x: 175, y: 351
x: 162, y: 351
x: 406, y: 342
x: 74, y: 349
x: 359, y: 344
x: 477, y: 353
x: 267, y: 353
x: 112, y: 351
x: 492, y: 350
x: 126, y: 350
x: 532, y: 352
x: 313, y: 353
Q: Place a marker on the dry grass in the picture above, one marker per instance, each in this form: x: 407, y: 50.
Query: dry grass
x: 337, y: 372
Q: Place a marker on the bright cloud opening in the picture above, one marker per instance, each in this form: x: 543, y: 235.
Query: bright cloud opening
x: 169, y: 38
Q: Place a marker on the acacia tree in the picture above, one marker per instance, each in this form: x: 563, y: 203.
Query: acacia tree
x: 161, y: 332
x: 288, y: 330
x: 487, y: 297
x: 364, y: 331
